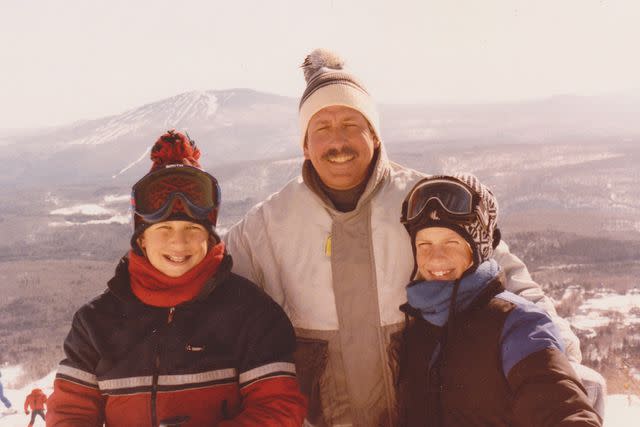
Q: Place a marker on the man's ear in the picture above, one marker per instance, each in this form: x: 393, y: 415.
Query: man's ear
x: 140, y: 241
x: 376, y: 140
x: 305, y: 147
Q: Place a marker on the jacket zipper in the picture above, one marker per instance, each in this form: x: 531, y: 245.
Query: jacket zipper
x: 156, y: 374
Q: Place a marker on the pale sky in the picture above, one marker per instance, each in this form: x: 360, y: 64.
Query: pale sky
x: 77, y: 59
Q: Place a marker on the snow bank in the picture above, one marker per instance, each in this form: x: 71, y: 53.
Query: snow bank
x: 85, y: 209
x: 622, y: 411
x: 10, y: 374
x: 593, y: 312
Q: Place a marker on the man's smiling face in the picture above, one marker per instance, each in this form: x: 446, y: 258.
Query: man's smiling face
x: 340, y: 145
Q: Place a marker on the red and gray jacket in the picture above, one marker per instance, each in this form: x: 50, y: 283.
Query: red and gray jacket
x: 221, y: 359
x: 35, y: 400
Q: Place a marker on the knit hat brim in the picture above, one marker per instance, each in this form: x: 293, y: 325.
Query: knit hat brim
x: 338, y: 94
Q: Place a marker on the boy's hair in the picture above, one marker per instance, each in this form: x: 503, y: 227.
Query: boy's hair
x: 478, y: 229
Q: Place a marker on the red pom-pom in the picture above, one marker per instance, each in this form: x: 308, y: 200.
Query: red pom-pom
x: 174, y: 148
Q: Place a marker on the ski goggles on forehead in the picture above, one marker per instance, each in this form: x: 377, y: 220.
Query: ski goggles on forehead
x: 453, y: 198
x: 155, y: 197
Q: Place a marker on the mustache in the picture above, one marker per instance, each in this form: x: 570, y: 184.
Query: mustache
x: 344, y: 151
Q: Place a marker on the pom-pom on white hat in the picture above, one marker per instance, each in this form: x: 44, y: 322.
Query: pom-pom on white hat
x: 328, y: 84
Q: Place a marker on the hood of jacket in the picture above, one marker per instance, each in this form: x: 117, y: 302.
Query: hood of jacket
x: 433, y: 298
x: 376, y: 177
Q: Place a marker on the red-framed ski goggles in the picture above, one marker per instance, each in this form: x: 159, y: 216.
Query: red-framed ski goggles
x: 452, y: 199
x: 156, y: 196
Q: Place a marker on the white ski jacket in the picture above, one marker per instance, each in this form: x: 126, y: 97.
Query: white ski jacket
x: 340, y: 277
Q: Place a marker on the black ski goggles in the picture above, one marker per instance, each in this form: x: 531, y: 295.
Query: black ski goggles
x: 157, y: 195
x: 452, y: 198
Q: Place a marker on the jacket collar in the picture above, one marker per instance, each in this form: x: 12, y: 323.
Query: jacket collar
x: 490, y: 290
x: 380, y: 171
x: 120, y: 285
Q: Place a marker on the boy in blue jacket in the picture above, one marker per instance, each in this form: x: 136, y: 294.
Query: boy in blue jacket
x: 476, y: 354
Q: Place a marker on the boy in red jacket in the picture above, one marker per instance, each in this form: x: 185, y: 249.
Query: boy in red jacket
x: 177, y: 339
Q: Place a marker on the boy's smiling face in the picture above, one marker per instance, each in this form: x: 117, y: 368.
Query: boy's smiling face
x: 174, y: 247
x: 442, y: 254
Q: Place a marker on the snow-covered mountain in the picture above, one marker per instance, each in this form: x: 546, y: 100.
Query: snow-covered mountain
x: 556, y: 119
x: 243, y: 125
x: 229, y: 126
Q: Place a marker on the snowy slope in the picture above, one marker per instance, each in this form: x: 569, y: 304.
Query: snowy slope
x: 17, y: 396
x: 591, y: 313
x: 621, y: 410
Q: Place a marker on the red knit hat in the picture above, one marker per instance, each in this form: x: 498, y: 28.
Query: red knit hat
x: 172, y: 148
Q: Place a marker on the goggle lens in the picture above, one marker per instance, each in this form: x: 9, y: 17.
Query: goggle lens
x: 455, y: 198
x: 154, y: 196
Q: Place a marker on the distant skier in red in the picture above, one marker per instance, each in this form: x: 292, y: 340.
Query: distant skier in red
x: 36, y: 401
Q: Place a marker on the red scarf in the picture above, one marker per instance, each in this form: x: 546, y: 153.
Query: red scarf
x: 155, y: 288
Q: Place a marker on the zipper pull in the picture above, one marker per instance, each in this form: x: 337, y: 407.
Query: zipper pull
x: 327, y: 246
x: 170, y: 317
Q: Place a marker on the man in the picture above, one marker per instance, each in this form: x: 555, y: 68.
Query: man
x: 329, y: 247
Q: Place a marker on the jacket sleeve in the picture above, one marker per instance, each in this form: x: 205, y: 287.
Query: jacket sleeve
x: 546, y: 390
x: 548, y: 393
x: 251, y: 247
x: 519, y: 282
x: 240, y: 250
x: 76, y: 399
x: 26, y: 403
x: 238, y: 241
x: 270, y: 402
x: 270, y: 392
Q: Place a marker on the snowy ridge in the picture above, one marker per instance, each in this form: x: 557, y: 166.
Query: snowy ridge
x: 10, y: 377
x: 95, y: 213
x: 175, y: 112
x: 83, y: 209
x: 135, y: 162
x: 592, y: 312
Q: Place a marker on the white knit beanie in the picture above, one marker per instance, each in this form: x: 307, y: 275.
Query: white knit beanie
x: 329, y: 84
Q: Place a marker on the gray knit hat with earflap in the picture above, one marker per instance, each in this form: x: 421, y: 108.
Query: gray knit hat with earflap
x: 482, y: 239
x: 328, y: 84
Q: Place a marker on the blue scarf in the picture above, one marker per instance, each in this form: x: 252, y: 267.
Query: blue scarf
x: 433, y: 297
